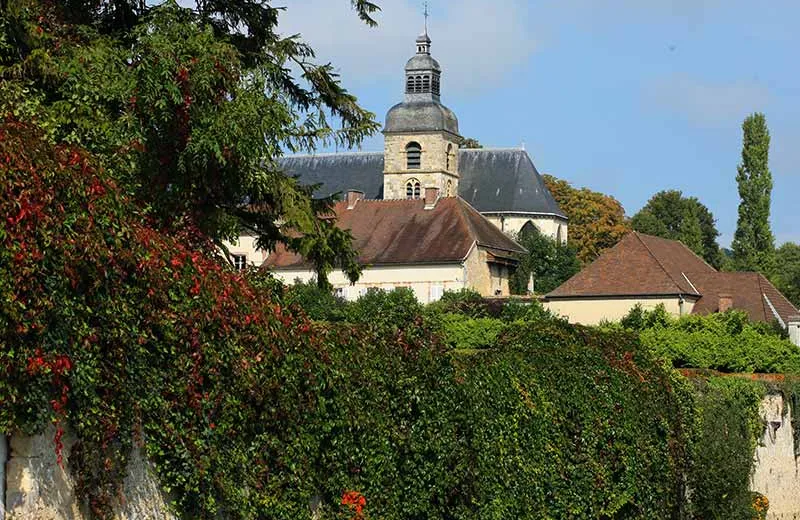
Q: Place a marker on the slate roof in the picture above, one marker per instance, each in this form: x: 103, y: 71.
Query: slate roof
x: 644, y: 265
x: 404, y: 232
x: 492, y: 180
x: 638, y: 265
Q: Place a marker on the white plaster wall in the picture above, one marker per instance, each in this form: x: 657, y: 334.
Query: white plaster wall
x: 246, y: 245
x: 37, y: 488
x: 512, y: 223
x: 776, y: 469
x: 592, y: 311
x: 427, y: 282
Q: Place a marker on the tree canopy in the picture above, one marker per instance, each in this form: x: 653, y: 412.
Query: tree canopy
x: 786, y: 276
x: 596, y: 221
x: 189, y: 108
x: 753, y: 242
x: 548, y: 261
x: 668, y: 214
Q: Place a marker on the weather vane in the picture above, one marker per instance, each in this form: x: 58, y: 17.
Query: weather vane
x: 426, y: 13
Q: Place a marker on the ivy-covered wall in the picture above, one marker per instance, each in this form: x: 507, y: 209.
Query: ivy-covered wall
x: 131, y: 337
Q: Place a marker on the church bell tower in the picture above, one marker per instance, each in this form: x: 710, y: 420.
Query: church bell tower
x: 421, y: 135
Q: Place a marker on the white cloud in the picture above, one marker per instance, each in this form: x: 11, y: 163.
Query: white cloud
x: 706, y: 103
x: 477, y: 43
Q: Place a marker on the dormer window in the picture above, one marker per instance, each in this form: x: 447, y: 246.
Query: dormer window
x: 413, y: 189
x: 413, y: 156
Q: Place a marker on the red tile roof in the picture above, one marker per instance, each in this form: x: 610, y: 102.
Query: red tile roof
x: 751, y: 292
x: 644, y: 265
x: 638, y: 265
x: 404, y: 232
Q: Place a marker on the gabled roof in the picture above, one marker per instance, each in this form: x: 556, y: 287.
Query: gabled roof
x: 491, y: 181
x: 751, y: 292
x: 638, y: 265
x: 404, y: 232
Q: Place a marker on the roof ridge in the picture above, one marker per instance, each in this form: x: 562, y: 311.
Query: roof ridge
x: 329, y: 154
x: 498, y: 149
x: 466, y: 207
x: 654, y: 257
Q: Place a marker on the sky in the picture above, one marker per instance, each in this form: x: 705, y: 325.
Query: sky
x: 626, y: 97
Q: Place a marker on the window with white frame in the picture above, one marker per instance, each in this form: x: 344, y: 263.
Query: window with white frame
x: 239, y: 262
x: 437, y: 291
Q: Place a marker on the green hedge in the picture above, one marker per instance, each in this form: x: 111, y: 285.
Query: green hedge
x: 728, y: 342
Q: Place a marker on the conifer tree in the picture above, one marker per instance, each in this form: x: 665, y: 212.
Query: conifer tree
x: 753, y: 242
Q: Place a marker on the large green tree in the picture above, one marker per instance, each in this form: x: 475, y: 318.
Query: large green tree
x: 786, y: 276
x: 668, y: 214
x: 189, y: 108
x: 753, y: 242
x: 596, y: 220
x: 548, y: 261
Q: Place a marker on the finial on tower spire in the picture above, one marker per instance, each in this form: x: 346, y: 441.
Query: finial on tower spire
x: 426, y: 13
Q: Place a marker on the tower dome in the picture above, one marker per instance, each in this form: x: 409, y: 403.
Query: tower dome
x: 422, y: 110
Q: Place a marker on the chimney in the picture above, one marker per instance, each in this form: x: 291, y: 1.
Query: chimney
x: 431, y: 196
x: 793, y: 325
x: 352, y: 197
x: 725, y: 302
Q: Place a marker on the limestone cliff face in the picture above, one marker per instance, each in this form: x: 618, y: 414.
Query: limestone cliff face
x: 776, y: 474
x: 37, y: 488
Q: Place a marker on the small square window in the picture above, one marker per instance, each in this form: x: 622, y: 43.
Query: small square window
x: 436, y: 292
x: 239, y: 262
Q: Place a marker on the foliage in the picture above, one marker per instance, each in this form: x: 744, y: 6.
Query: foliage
x: 392, y: 310
x: 753, y: 242
x: 464, y: 301
x: 189, y: 109
x: 469, y: 142
x: 563, y: 434
x: 668, y: 214
x: 728, y: 341
x: 462, y: 332
x: 548, y: 261
x: 786, y: 276
x: 313, y: 301
x: 596, y: 221
x: 728, y: 428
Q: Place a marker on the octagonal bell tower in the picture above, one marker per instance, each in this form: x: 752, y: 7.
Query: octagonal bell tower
x: 421, y: 135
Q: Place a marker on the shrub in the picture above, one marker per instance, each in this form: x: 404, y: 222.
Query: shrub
x: 728, y: 341
x: 470, y: 333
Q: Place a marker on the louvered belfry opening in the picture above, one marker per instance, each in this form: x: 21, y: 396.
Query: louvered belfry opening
x: 413, y: 156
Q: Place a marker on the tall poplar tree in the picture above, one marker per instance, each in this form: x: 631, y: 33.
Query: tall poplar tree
x: 753, y: 242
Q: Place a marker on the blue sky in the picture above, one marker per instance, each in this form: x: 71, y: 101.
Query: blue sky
x: 627, y: 97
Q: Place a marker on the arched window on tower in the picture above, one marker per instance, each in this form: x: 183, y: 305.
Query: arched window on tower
x: 449, y: 188
x: 449, y: 156
x: 410, y: 84
x: 413, y: 189
x: 413, y: 156
x: 418, y: 83
x: 435, y: 84
x: 426, y: 83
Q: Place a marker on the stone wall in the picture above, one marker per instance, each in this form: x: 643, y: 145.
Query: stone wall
x: 776, y: 468
x: 37, y: 488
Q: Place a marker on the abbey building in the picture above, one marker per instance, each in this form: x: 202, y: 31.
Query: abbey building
x: 424, y: 213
